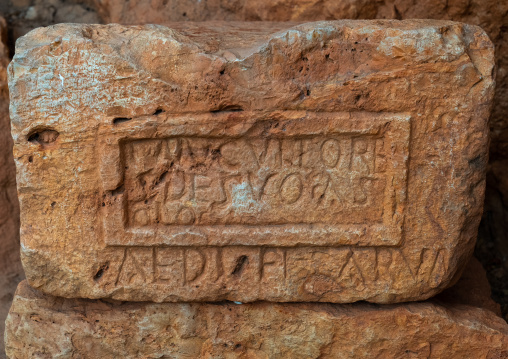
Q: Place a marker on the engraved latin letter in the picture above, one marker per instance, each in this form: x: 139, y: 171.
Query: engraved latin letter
x: 291, y: 188
x: 194, y: 262
x: 330, y: 153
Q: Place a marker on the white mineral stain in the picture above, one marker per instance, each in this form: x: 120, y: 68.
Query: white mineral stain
x: 320, y: 33
x: 420, y: 42
x: 18, y: 70
x: 243, y: 200
x: 293, y: 36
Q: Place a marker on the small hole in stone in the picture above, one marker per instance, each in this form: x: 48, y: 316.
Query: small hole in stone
x: 43, y: 137
x: 308, y: 92
x: 158, y: 112
x: 240, y: 264
x: 118, y: 191
x: 101, y: 271
x: 232, y: 108
x: 238, y: 346
x: 222, y: 72
x: 119, y: 120
x: 184, y: 14
x: 216, y: 153
x: 31, y: 159
x: 53, y: 204
x: 161, y: 178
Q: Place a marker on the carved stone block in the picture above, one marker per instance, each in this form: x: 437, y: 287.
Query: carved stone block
x: 78, y: 328
x: 330, y: 161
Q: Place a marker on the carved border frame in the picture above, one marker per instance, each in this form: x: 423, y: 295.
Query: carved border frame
x: 236, y: 124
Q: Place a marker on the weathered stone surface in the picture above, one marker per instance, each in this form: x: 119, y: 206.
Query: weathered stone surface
x: 10, y: 264
x: 331, y: 161
x: 43, y: 326
x: 491, y: 15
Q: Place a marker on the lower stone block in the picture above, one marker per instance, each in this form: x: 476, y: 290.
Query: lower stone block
x: 41, y: 326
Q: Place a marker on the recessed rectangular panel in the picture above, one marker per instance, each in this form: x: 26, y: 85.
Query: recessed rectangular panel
x: 290, y: 179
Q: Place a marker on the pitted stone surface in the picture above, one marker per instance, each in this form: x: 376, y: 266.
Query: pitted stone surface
x: 491, y: 15
x: 331, y: 161
x: 41, y: 325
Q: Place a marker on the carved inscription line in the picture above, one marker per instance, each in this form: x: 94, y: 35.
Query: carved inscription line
x: 194, y: 263
x: 203, y: 181
x: 193, y: 266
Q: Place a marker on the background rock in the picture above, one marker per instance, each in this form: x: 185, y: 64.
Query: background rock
x: 25, y: 15
x: 10, y: 267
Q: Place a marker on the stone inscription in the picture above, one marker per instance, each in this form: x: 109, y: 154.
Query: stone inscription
x: 284, y: 179
x: 353, y: 267
x: 253, y: 181
x: 189, y: 265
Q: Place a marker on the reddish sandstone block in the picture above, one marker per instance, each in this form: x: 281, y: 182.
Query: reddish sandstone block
x: 331, y: 161
x: 40, y: 324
